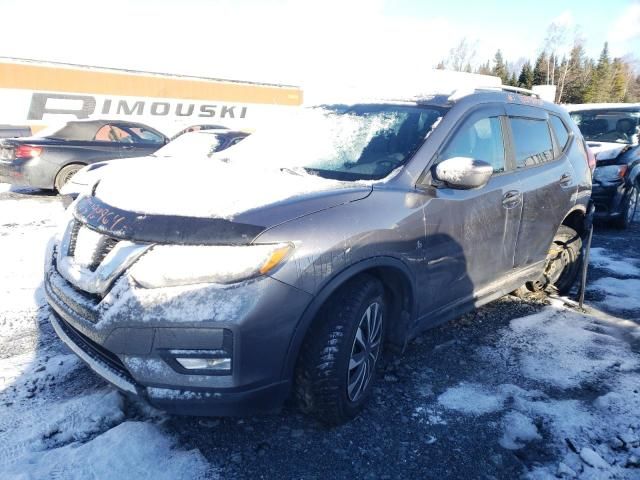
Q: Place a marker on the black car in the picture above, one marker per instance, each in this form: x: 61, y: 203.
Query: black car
x: 50, y: 158
x: 612, y: 132
x: 288, y: 265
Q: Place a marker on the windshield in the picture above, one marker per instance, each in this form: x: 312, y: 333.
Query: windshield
x: 360, y: 142
x: 608, y: 125
x: 199, y: 144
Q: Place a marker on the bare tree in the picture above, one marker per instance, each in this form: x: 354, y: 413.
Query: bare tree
x: 554, y: 41
x: 461, y: 56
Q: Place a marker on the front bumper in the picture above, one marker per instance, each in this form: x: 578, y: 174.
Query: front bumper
x: 608, y: 199
x: 127, y: 339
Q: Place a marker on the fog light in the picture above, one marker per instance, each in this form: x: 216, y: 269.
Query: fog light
x: 217, y: 364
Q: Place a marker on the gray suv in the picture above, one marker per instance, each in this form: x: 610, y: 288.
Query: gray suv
x: 287, y: 267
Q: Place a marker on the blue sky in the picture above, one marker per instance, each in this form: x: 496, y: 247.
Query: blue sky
x: 525, y: 21
x: 301, y: 41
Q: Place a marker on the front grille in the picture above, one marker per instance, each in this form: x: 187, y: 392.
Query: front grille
x: 107, y: 246
x: 96, y: 351
x: 100, y: 250
x: 74, y: 237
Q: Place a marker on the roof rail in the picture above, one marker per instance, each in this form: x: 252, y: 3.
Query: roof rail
x: 524, y: 91
x: 461, y: 92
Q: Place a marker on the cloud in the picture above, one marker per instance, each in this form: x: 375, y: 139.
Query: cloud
x: 627, y: 26
x: 565, y: 19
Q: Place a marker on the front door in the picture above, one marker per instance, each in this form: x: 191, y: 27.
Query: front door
x: 470, y: 235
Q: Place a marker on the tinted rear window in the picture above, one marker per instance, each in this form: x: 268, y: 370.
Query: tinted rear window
x: 532, y: 141
x: 560, y: 130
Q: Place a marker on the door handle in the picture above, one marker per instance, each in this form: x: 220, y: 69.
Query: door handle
x: 511, y: 199
x: 566, y: 179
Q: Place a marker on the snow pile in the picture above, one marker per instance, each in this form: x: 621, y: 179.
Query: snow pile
x: 553, y: 356
x: 564, y: 349
x: 204, y: 189
x: 518, y: 428
x: 53, y: 423
x: 621, y: 294
x: 472, y: 399
x: 615, y: 264
x: 130, y: 450
x: 617, y: 292
x: 268, y: 166
x: 25, y: 227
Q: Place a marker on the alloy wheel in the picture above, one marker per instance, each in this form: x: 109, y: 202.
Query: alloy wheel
x: 364, y: 352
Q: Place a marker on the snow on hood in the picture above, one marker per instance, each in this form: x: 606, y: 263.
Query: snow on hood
x: 206, y: 189
x: 606, y: 150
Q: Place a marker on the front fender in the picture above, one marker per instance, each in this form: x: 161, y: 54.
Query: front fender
x: 331, y: 287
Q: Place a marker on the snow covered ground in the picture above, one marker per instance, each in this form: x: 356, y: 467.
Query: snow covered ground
x: 520, y: 388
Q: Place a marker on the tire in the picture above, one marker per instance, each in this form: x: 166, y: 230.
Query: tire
x: 563, y: 263
x: 629, y: 210
x: 65, y: 174
x: 327, y: 385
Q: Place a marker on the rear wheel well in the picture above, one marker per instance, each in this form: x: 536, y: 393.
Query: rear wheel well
x: 58, y: 181
x: 575, y: 220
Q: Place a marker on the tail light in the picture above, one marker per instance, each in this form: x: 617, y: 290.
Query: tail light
x: 27, y: 151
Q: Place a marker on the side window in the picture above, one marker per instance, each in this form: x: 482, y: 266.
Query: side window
x: 111, y: 133
x: 147, y: 136
x: 560, y: 130
x: 480, y: 139
x: 532, y: 140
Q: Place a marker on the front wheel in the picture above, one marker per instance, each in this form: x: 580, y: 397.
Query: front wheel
x: 337, y: 365
x: 629, y: 210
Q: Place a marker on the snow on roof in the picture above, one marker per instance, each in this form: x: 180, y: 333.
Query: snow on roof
x: 436, y: 82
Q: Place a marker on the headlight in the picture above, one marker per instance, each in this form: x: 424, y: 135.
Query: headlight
x: 172, y: 265
x: 609, y: 173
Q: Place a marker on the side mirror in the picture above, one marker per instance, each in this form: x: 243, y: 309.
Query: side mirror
x: 463, y: 172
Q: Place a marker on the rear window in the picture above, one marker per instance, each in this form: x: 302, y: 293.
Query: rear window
x: 560, y: 130
x: 532, y: 141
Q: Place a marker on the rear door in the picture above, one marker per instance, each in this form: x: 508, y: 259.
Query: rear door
x: 547, y: 180
x: 470, y: 235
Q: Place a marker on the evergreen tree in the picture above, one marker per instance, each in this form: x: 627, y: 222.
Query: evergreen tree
x: 540, y: 70
x: 513, y: 80
x: 599, y: 87
x: 576, y: 76
x: 620, y: 77
x: 500, y: 68
x: 525, y: 80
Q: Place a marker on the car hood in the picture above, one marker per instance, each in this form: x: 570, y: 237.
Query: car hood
x: 607, y: 150
x: 208, y: 201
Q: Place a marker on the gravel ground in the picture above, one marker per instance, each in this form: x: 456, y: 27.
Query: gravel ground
x: 428, y: 418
